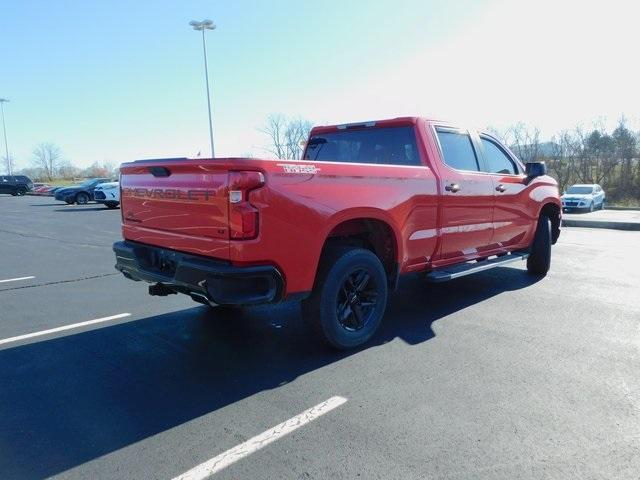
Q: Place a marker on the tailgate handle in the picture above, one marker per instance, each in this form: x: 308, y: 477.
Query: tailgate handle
x: 160, y: 171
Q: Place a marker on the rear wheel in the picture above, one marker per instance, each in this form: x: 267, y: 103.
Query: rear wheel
x: 539, y: 260
x: 111, y: 204
x: 349, y: 297
x: 82, y: 198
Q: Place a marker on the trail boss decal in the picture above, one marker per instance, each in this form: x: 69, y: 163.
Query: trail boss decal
x: 299, y: 168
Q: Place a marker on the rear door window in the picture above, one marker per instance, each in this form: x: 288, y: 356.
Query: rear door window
x: 383, y: 146
x: 457, y: 149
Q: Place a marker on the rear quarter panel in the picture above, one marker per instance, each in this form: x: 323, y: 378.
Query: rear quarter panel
x: 298, y: 211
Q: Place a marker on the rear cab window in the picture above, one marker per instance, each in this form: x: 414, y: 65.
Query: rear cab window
x: 457, y: 149
x: 381, y: 146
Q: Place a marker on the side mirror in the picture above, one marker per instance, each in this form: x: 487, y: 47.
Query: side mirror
x: 535, y: 169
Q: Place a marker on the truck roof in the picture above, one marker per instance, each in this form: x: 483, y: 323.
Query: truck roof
x: 390, y: 122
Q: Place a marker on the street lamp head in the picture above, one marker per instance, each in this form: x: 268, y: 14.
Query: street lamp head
x: 3, y: 100
x: 203, y: 25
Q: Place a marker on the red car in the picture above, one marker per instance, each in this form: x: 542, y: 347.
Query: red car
x: 369, y: 202
x: 41, y: 189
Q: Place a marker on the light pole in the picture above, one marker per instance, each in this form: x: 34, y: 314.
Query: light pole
x: 201, y: 27
x: 4, y: 129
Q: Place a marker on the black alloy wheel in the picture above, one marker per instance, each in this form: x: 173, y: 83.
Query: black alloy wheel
x: 349, y: 297
x: 357, y: 300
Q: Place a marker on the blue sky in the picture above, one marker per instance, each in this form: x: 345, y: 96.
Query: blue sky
x: 115, y: 80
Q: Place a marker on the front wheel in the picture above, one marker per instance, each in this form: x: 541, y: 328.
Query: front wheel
x: 82, y: 198
x: 20, y: 191
x: 349, y: 297
x: 111, y: 204
x: 591, y: 208
x: 539, y: 260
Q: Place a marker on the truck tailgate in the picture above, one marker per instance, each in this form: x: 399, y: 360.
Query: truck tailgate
x: 178, y: 204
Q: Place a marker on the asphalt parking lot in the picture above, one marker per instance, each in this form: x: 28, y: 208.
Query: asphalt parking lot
x: 497, y: 375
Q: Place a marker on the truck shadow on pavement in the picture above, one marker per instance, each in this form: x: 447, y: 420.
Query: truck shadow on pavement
x: 72, y: 399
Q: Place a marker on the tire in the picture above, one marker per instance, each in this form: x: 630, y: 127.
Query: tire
x: 20, y: 191
x: 591, y: 207
x: 539, y: 260
x: 82, y: 198
x: 14, y: 193
x: 349, y: 297
x: 111, y: 204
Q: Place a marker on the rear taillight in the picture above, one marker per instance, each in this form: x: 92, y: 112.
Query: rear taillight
x: 243, y: 217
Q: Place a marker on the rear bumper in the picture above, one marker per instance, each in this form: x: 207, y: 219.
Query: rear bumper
x: 204, y: 279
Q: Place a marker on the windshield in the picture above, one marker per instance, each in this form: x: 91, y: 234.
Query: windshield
x: 387, y: 146
x: 580, y: 190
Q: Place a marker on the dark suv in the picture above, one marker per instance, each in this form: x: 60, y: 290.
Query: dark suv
x: 15, y: 184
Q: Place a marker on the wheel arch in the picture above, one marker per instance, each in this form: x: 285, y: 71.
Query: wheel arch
x: 554, y: 212
x: 370, y: 229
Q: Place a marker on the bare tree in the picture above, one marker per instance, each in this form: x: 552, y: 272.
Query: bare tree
x: 97, y: 169
x: 67, y: 170
x: 274, y: 129
x: 524, y: 141
x: 584, y: 155
x: 286, y: 136
x: 561, y: 158
x: 47, y: 156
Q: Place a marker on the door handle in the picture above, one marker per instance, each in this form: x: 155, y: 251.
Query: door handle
x: 501, y: 188
x: 454, y: 187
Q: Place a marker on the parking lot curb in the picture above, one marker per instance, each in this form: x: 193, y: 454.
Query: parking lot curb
x: 626, y: 209
x: 633, y: 226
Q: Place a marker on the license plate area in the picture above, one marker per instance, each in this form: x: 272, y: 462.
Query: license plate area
x: 164, y: 262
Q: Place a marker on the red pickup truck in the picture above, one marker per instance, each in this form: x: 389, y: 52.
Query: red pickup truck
x: 368, y: 202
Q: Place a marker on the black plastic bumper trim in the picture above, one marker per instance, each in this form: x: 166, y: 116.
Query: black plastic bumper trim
x: 218, y: 281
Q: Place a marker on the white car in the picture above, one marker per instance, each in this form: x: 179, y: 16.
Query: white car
x: 108, y: 194
x: 583, y: 197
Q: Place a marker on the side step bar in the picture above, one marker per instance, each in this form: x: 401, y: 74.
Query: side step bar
x: 455, y: 271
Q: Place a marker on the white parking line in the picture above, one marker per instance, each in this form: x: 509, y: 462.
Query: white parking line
x: 5, y: 341
x: 254, y: 444
x: 16, y: 279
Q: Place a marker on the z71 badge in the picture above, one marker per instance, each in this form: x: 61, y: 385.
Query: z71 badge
x: 299, y: 168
